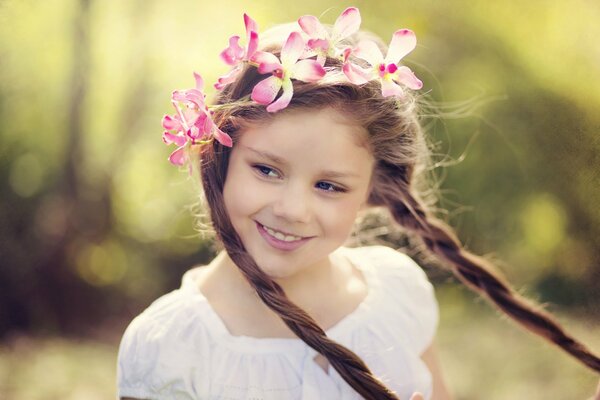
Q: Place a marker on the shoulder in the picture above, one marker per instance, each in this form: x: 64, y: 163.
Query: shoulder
x: 391, y: 263
x: 168, y: 337
x: 169, y: 315
x: 406, y: 297
x: 156, y: 322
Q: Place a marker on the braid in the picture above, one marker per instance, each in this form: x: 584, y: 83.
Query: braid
x: 397, y: 144
x: 476, y: 272
x: 350, y: 367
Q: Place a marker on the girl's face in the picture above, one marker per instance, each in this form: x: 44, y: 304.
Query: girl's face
x: 302, y: 174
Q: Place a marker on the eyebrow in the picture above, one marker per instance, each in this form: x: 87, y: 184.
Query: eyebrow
x: 267, y: 155
x: 279, y: 160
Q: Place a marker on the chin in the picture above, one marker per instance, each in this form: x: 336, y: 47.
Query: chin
x: 276, y: 272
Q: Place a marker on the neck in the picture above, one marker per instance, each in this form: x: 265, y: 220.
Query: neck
x: 302, y: 288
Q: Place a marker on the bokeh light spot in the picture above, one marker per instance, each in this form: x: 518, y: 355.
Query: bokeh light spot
x: 26, y: 175
x: 101, y: 264
x: 543, y: 222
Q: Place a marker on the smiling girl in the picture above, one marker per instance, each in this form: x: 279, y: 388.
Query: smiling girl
x: 310, y: 128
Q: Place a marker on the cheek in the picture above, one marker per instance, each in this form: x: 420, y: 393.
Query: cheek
x: 228, y: 198
x: 233, y: 195
x: 243, y: 202
x: 241, y: 194
x: 341, y: 216
x: 233, y: 184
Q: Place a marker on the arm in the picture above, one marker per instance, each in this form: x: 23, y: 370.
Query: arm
x: 429, y: 357
x: 597, y: 395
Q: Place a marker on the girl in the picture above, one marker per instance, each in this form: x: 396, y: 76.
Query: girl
x: 285, y: 310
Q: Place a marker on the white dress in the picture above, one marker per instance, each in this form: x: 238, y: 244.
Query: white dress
x: 179, y: 348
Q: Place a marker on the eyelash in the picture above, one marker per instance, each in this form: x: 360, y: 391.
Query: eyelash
x: 261, y: 170
x: 336, y: 189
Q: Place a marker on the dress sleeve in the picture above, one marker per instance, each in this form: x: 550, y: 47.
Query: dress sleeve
x: 412, y: 295
x: 134, y: 362
x: 162, y: 353
x: 146, y: 368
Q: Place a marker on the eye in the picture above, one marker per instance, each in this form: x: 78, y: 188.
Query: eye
x: 330, y: 187
x: 265, y: 171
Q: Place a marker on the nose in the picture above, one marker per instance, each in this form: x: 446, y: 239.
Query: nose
x: 293, y: 203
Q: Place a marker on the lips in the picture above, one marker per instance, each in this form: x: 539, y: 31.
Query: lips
x: 287, y: 242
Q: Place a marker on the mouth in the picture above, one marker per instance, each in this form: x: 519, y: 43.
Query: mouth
x: 280, y: 235
x: 281, y: 240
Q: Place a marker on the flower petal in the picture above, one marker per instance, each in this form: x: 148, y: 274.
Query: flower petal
x: 178, y: 95
x: 346, y: 24
x: 292, y: 49
x: 267, y: 62
x: 199, y: 81
x: 321, y: 58
x: 267, y: 68
x: 265, y: 91
x: 194, y: 133
x: 346, y: 52
x: 390, y: 88
x: 220, y: 85
x: 234, y: 53
x: 356, y: 74
x: 190, y: 116
x: 171, y: 123
x: 307, y: 71
x: 307, y: 53
x: 205, y: 125
x: 228, y: 78
x: 403, y: 42
x: 252, y: 44
x: 222, y: 137
x: 169, y: 138
x: 251, y: 25
x: 368, y: 50
x: 191, y: 95
x: 312, y: 27
x: 318, y: 44
x: 178, y: 157
x: 283, y: 101
x: 405, y: 76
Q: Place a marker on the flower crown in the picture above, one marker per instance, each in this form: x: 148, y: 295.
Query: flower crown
x: 302, y: 57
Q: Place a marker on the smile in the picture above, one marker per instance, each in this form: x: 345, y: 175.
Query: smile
x: 280, y: 240
x: 282, y: 236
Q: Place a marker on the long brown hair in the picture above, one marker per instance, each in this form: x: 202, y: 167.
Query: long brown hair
x: 397, y: 143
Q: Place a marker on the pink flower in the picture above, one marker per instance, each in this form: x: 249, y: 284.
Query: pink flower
x: 192, y: 124
x: 320, y: 41
x: 385, y: 69
x: 283, y: 72
x: 235, y: 55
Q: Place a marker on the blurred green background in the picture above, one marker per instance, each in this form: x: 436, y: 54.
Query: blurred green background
x: 95, y: 223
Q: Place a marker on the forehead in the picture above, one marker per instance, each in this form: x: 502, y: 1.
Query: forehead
x: 319, y: 137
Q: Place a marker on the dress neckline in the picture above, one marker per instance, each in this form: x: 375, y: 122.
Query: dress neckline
x: 346, y: 324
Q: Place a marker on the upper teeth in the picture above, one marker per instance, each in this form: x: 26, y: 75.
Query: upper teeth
x: 281, y: 236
